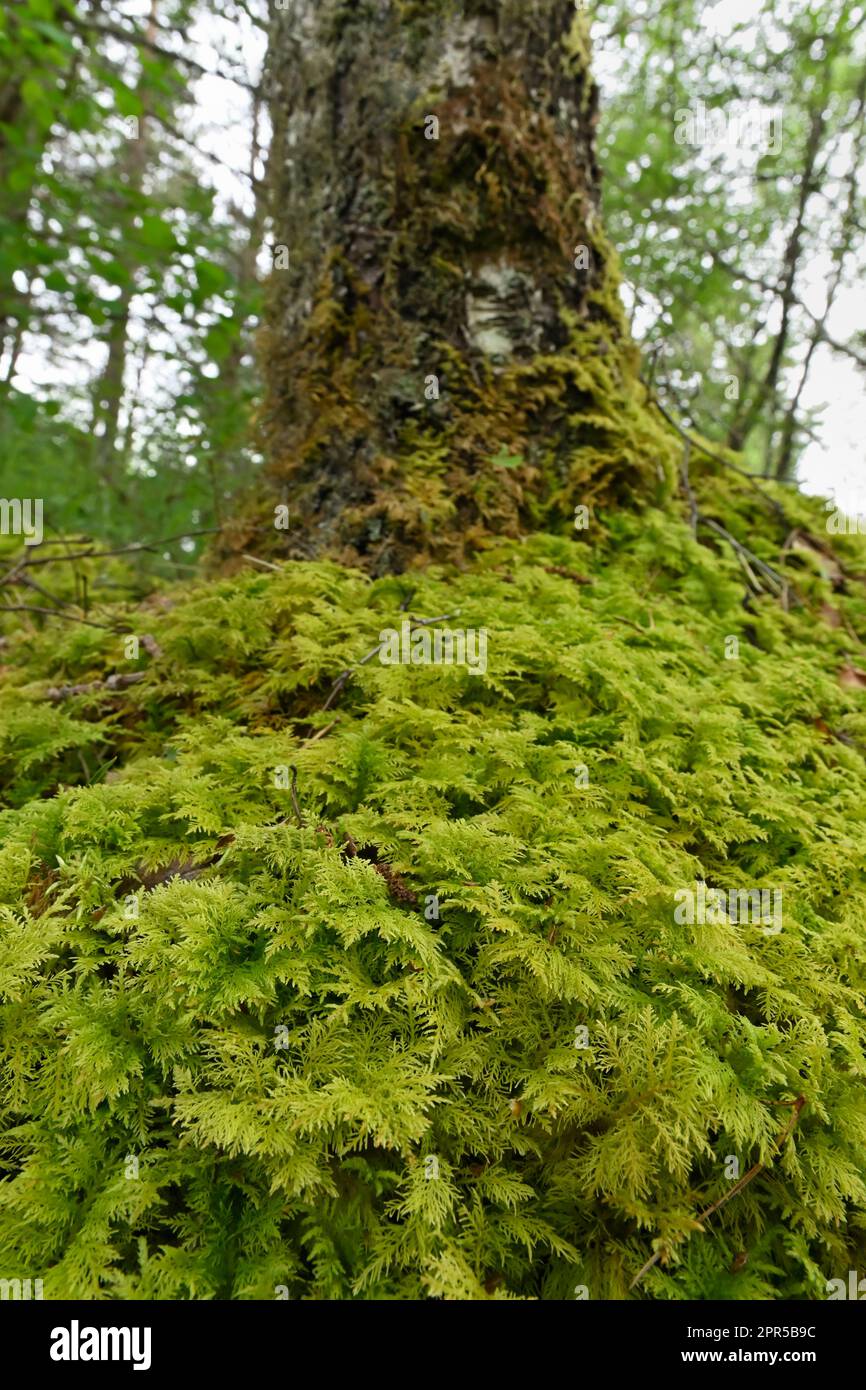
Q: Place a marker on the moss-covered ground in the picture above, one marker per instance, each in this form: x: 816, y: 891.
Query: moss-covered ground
x: 379, y: 991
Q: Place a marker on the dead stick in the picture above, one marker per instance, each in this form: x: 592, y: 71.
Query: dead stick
x: 321, y: 734
x: 131, y: 549
x: 750, y: 478
x: 687, y: 486
x: 51, y: 613
x: 265, y: 564
x: 738, y: 1187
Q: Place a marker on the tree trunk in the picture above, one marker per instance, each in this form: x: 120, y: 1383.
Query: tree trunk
x: 445, y: 350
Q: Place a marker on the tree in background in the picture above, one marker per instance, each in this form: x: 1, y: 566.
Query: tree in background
x: 124, y: 286
x: 734, y: 192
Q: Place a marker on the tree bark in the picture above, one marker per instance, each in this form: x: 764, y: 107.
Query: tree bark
x: 445, y: 350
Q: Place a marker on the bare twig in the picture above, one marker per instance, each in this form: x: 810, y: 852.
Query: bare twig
x: 265, y: 564
x: 30, y: 583
x: 617, y: 618
x: 777, y: 584
x: 565, y: 573
x: 428, y: 622
x: 92, y: 554
x: 753, y: 1172
x: 344, y: 675
x: 112, y: 683
x: 321, y: 734
x: 374, y: 651
x: 52, y: 613
x: 123, y: 35
x: 751, y: 479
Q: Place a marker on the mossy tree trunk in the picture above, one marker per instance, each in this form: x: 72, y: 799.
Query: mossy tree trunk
x: 444, y: 351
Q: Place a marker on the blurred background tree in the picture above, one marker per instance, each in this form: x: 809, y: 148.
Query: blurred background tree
x: 738, y: 249
x: 128, y: 286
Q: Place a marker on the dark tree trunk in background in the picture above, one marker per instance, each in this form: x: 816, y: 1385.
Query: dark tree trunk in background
x: 419, y: 265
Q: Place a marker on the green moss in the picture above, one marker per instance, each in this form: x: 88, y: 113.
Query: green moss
x: 406, y: 1038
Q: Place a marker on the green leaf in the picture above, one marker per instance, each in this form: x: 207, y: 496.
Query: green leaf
x: 156, y: 233
x: 79, y: 114
x: 33, y: 94
x: 220, y: 339
x: 128, y: 103
x: 210, y: 277
x: 57, y: 35
x: 19, y: 179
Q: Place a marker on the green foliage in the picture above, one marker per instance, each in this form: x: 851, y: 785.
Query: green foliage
x: 128, y: 293
x: 718, y: 238
x: 286, y: 1034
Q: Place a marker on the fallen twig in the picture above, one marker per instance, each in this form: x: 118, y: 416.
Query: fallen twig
x: 52, y: 613
x: 777, y: 584
x: 116, y: 682
x: 265, y: 564
x: 684, y: 475
x: 567, y: 574
x: 321, y: 734
x: 751, y: 478
x: 753, y: 1172
x: 618, y: 618
x: 91, y: 554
